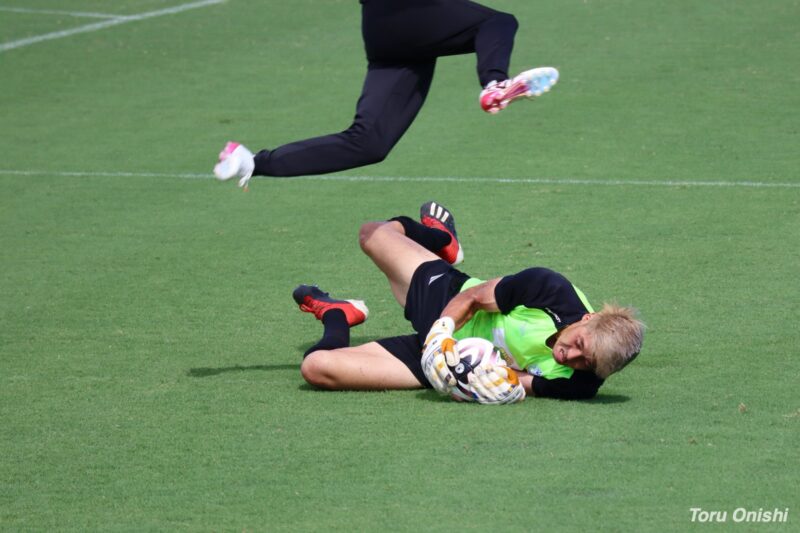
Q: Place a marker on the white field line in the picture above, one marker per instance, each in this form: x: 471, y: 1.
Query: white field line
x: 117, y: 20
x: 57, y: 12
x: 429, y: 179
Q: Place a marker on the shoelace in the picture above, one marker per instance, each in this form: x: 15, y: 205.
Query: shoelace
x: 245, y: 182
x: 311, y: 305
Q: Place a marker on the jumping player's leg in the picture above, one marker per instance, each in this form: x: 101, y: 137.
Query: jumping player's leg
x: 427, y: 29
x: 494, y: 42
x: 391, y: 98
x: 392, y: 95
x: 433, y: 28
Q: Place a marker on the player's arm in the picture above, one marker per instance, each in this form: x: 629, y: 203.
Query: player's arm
x: 457, y: 312
x: 527, y: 381
x: 582, y: 385
x: 540, y: 288
x: 489, y: 384
x: 439, y: 349
x: 466, y: 303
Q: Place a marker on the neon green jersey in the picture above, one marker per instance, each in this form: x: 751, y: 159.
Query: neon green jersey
x: 534, y: 305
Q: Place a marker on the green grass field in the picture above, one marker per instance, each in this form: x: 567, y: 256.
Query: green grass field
x: 150, y: 348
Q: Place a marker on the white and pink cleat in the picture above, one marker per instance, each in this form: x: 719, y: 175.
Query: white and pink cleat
x: 235, y: 161
x: 530, y: 84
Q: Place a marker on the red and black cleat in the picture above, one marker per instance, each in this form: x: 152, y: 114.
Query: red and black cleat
x: 437, y: 216
x: 312, y: 299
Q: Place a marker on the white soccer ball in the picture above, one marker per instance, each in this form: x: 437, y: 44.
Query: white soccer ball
x: 472, y: 352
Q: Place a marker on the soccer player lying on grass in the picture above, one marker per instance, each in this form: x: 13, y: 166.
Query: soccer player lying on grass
x: 555, y: 345
x: 402, y: 40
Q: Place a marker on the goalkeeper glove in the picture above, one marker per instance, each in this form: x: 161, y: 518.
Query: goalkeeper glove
x: 495, y: 385
x: 438, y: 352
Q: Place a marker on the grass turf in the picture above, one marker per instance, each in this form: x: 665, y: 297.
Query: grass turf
x: 150, y: 347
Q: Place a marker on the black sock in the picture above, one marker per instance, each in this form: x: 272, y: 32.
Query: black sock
x: 336, y: 334
x: 429, y: 238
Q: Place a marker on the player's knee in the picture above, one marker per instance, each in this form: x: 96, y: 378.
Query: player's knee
x: 507, y: 21
x: 369, y: 235
x: 365, y: 232
x: 501, y: 24
x: 368, y: 143
x: 374, y: 151
x: 317, y: 369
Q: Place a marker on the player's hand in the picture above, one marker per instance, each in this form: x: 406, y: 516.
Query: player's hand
x: 439, y: 350
x: 495, y: 385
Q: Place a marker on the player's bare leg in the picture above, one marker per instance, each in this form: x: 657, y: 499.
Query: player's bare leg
x: 331, y: 363
x: 366, y: 367
x: 397, y: 256
x: 398, y: 247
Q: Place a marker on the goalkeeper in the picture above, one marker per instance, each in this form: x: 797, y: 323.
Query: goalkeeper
x: 555, y: 345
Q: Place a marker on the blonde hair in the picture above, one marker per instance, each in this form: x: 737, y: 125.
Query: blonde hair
x: 617, y: 338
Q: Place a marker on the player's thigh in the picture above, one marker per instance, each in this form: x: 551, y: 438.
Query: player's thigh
x: 397, y: 256
x: 366, y: 367
x: 421, y: 28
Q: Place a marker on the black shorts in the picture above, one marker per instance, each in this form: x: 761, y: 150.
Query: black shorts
x: 433, y: 285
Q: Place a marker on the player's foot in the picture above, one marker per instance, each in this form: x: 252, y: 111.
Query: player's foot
x: 437, y: 216
x: 531, y: 83
x: 235, y: 161
x: 313, y: 300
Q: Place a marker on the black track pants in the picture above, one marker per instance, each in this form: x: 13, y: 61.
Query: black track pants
x: 402, y: 39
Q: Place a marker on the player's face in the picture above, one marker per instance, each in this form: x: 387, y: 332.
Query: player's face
x: 573, y: 348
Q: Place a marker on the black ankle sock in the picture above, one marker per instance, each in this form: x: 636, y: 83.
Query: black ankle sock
x: 336, y: 334
x: 429, y: 238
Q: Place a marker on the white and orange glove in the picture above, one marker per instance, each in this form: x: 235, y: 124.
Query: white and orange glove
x: 438, y: 351
x: 496, y: 385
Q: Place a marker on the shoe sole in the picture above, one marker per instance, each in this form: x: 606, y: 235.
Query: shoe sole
x: 529, y: 84
x: 361, y: 306
x: 539, y: 80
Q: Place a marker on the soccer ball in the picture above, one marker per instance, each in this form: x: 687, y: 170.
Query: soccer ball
x: 472, y: 352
